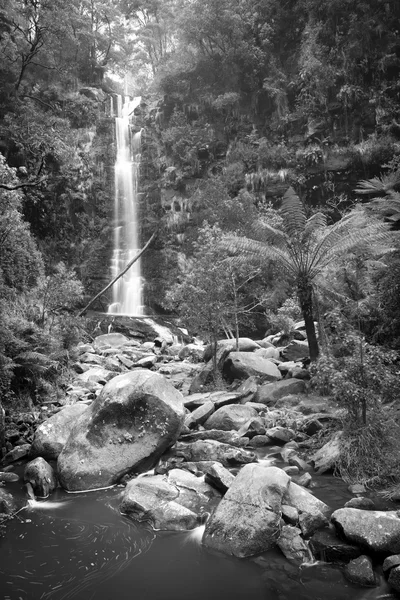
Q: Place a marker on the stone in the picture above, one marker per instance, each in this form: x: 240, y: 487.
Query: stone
x: 247, y: 390
x: 311, y: 522
x: 390, y: 562
x: 394, y: 579
x: 357, y: 488
x: 270, y: 352
x: 200, y: 415
x: 206, y: 375
x: 280, y: 434
x: 157, y: 499
x: 194, y: 351
x: 376, y: 531
x: 258, y: 441
x: 230, y: 417
x: 304, y: 480
x: 8, y: 477
x: 290, y: 514
x: 311, y: 426
x: 326, y: 457
x: 264, y: 343
x: 41, y: 476
x: 8, y: 504
x: 218, y: 399
x: 292, y: 470
x: 124, y: 361
x: 242, y: 365
x: 219, y: 477
x: 296, y: 461
x: 137, y: 416
x: 16, y: 454
x: 228, y: 455
x: 292, y: 545
x: 110, y: 340
x: 296, y: 350
x: 245, y: 345
x: 304, y: 501
x: 95, y: 375
x: 153, y: 499
x: 286, y: 453
x: 147, y: 362
x: 226, y: 437
x: 361, y: 503
x: 326, y: 546
x: 247, y: 520
x: 269, y: 393
x: 252, y: 427
x: 91, y: 358
x: 300, y: 373
x: 360, y: 572
x: 51, y: 436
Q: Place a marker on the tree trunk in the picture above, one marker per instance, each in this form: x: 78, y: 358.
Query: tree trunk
x: 305, y: 293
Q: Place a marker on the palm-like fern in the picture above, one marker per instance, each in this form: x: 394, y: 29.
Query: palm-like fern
x: 305, y: 247
x: 379, y: 185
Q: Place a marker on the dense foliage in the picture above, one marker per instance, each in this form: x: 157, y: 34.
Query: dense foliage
x: 243, y: 100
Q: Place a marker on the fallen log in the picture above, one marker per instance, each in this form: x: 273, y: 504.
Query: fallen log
x: 120, y: 274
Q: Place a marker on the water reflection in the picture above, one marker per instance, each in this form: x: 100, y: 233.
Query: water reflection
x: 60, y: 555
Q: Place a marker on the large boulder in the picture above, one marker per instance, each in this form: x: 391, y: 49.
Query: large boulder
x: 41, y: 476
x: 374, y: 530
x: 172, y: 502
x: 326, y: 546
x: 51, y: 436
x: 230, y: 417
x: 244, y: 345
x: 242, y: 365
x: 137, y: 416
x: 247, y: 520
x: 110, y: 340
x: 269, y: 393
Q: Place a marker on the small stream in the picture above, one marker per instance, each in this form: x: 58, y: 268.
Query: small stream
x: 79, y: 546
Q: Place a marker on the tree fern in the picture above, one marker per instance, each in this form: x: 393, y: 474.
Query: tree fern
x: 306, y: 247
x: 379, y: 185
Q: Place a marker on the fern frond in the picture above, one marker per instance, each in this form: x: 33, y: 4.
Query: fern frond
x: 293, y: 214
x: 379, y: 185
x: 315, y: 222
x: 255, y: 248
x: 387, y: 206
x: 270, y: 235
x: 338, y: 243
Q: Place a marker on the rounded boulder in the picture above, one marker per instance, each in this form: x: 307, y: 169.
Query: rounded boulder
x: 136, y: 417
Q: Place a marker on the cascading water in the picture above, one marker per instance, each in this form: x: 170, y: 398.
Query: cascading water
x: 127, y: 291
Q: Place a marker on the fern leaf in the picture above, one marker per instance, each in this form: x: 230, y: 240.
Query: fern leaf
x: 255, y: 248
x: 379, y: 185
x: 293, y: 214
x: 270, y: 235
x: 314, y: 223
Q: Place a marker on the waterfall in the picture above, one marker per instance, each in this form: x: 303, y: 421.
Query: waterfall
x: 127, y: 291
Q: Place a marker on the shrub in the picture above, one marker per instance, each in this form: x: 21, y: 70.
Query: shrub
x: 360, y: 382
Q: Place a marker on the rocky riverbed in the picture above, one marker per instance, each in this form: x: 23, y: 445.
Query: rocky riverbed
x: 143, y: 413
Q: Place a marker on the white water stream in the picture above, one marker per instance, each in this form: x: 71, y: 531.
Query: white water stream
x: 127, y: 291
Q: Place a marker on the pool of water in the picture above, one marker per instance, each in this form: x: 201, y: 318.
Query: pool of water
x: 79, y: 546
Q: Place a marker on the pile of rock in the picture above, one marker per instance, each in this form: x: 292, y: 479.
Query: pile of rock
x: 129, y: 411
